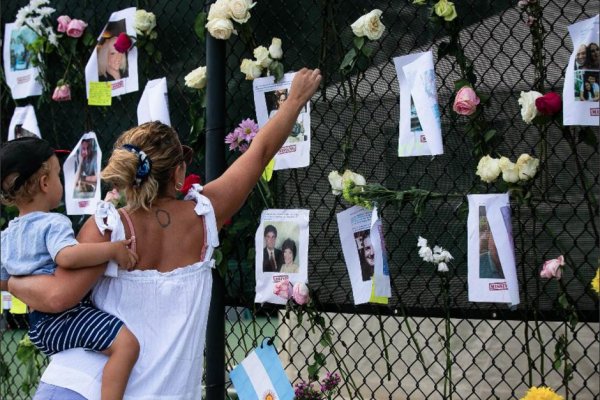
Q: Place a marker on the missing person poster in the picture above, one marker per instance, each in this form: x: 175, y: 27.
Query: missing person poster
x: 23, y: 123
x: 21, y: 75
x: 82, y: 176
x: 581, y: 93
x: 268, y: 97
x: 420, y: 118
x: 364, y: 252
x: 492, y: 268
x: 154, y: 103
x: 106, y: 64
x: 281, y: 252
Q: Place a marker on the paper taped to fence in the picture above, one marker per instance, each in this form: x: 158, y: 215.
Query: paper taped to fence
x: 581, y: 91
x: 21, y: 75
x: 491, y: 253
x: 364, y: 254
x: 82, y: 176
x: 281, y: 252
x: 154, y: 103
x: 23, y: 123
x: 261, y: 376
x: 268, y: 97
x: 106, y: 64
x: 420, y: 118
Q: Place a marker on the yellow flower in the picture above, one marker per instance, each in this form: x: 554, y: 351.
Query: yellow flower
x: 445, y: 9
x: 596, y: 281
x: 541, y: 393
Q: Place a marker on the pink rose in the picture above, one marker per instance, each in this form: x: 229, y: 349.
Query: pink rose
x: 62, y: 93
x: 283, y: 289
x: 300, y: 293
x: 466, y: 101
x: 552, y: 268
x: 63, y: 23
x: 75, y: 28
x: 123, y: 43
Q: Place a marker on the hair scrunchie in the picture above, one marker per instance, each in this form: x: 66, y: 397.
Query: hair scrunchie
x: 144, y: 163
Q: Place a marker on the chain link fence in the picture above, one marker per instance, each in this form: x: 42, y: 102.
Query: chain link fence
x: 396, y: 351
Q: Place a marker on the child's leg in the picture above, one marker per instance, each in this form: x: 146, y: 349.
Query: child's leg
x: 122, y: 355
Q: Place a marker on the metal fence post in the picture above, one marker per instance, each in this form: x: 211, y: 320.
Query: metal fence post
x: 215, y: 165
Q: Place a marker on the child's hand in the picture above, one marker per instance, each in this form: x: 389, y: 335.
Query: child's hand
x: 123, y: 255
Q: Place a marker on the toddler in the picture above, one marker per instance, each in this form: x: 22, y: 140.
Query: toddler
x: 37, y: 241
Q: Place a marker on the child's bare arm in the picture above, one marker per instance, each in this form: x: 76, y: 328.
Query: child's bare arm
x: 85, y: 255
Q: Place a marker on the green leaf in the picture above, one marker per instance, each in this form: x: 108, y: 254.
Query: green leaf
x: 348, y: 60
x: 276, y: 69
x: 157, y: 56
x: 313, y: 371
x: 326, y: 338
x: 320, y: 359
x: 88, y: 39
x: 359, y: 42
x: 149, y: 47
x: 362, y: 63
x: 461, y: 83
x: 589, y: 137
x: 367, y: 51
x: 489, y: 135
x: 563, y: 301
x: 199, y: 25
x: 218, y: 256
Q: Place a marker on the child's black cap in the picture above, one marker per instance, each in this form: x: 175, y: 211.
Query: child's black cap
x: 24, y: 156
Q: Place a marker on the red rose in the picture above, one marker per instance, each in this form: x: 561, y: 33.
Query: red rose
x: 123, y: 43
x: 189, y: 181
x: 549, y: 104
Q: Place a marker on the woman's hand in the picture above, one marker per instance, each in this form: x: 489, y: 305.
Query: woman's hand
x: 304, y: 85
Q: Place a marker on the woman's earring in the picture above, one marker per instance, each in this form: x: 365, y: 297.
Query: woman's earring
x: 178, y: 186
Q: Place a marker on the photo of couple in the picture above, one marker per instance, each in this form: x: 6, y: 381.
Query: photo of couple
x: 282, y: 259
x: 587, y: 72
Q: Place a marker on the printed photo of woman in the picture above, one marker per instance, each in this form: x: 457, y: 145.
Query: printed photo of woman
x: 112, y: 65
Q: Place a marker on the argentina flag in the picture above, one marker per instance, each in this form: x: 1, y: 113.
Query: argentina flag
x: 260, y: 376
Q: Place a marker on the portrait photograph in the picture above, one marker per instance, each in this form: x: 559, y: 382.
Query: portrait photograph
x: 366, y: 253
x: 281, y: 244
x: 489, y: 261
x: 112, y: 65
x: 20, y: 57
x: 19, y: 70
x: 81, y: 171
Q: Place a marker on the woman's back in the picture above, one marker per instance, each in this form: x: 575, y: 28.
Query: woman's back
x: 168, y: 236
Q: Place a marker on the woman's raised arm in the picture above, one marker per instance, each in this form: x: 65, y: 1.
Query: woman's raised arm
x: 63, y: 290
x: 229, y: 191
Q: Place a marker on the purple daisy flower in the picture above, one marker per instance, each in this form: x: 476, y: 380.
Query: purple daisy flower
x: 248, y: 129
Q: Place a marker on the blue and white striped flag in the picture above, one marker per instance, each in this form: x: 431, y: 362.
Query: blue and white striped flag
x: 260, y: 376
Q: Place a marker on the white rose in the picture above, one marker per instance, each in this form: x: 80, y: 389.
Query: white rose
x: 443, y: 267
x: 369, y: 25
x: 240, y: 10
x: 262, y: 56
x: 510, y: 172
x: 275, y: 49
x: 219, y: 10
x: 196, y: 79
x: 488, y: 169
x: 527, y: 166
x: 353, y: 177
x: 220, y: 28
x: 527, y: 102
x: 251, y: 68
x: 336, y: 182
x: 144, y: 22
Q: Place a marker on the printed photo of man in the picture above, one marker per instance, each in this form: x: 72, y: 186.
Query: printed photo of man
x: 272, y: 256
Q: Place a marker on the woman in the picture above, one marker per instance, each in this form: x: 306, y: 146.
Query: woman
x: 165, y: 300
x: 587, y: 94
x: 112, y: 65
x: 289, y: 255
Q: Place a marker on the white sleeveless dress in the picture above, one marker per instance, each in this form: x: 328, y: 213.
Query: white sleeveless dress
x: 167, y: 312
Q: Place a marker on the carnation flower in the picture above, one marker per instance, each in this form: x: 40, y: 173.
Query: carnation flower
x: 421, y: 242
x: 596, y: 282
x: 541, y: 393
x: 190, y: 180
